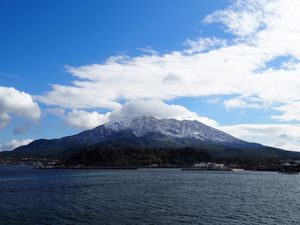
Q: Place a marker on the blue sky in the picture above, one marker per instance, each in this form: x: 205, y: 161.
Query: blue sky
x: 39, y: 38
x: 66, y: 66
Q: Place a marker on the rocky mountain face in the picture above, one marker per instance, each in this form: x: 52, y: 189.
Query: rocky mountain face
x: 143, y: 126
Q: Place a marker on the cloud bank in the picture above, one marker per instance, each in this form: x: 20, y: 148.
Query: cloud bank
x: 285, y: 136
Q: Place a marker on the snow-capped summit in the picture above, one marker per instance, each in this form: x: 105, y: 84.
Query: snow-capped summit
x: 142, y: 126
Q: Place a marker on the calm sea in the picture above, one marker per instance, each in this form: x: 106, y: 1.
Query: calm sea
x: 154, y: 196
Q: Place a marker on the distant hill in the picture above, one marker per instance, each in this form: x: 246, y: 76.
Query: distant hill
x: 150, y: 133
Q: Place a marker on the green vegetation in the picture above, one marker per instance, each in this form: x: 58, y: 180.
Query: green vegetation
x: 138, y: 157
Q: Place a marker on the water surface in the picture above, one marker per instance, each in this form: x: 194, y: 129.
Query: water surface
x: 154, y: 196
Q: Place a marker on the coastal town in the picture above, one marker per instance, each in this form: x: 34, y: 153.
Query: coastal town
x: 288, y: 166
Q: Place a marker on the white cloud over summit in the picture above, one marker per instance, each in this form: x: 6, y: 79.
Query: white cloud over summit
x: 85, y: 120
x: 158, y: 109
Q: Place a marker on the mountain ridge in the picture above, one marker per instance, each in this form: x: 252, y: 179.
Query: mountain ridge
x: 150, y: 132
x: 139, y: 126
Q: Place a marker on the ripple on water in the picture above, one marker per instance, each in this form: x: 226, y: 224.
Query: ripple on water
x: 174, y: 197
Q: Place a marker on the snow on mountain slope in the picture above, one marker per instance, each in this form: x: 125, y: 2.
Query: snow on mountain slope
x: 184, y: 130
x: 142, y: 126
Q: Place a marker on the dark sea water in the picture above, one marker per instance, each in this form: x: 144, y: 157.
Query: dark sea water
x: 156, y: 196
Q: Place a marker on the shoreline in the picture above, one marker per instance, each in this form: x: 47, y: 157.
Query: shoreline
x: 182, y: 168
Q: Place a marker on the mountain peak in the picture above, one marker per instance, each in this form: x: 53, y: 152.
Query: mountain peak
x: 144, y: 125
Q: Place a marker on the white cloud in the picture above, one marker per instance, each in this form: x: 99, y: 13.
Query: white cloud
x: 244, y: 17
x: 290, y: 112
x: 158, y: 109
x: 14, y: 144
x: 16, y: 103
x: 85, y: 120
x: 148, y: 50
x: 285, y: 136
x: 243, y: 102
x: 102, y: 85
x: 203, y: 44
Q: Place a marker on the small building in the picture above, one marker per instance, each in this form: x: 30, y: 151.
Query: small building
x: 210, y: 165
x: 201, y: 165
x: 219, y: 166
